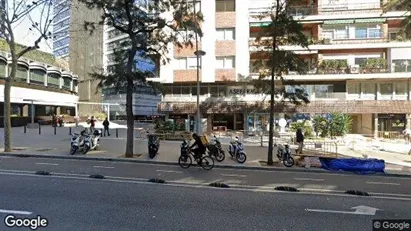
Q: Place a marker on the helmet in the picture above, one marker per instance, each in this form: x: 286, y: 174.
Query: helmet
x: 97, y: 132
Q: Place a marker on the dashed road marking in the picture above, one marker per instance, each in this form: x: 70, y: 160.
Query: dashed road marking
x: 383, y: 183
x: 234, y: 175
x: 47, y: 164
x: 169, y: 171
x: 15, y: 212
x: 102, y: 167
x: 309, y: 179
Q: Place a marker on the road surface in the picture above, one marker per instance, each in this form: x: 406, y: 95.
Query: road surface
x: 242, y: 178
x: 93, y: 204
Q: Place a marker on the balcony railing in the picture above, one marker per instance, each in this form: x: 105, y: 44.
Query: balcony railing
x: 330, y: 95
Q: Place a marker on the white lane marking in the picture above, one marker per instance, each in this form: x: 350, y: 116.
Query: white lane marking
x: 15, y: 212
x: 384, y: 183
x: 46, y: 164
x: 102, y: 167
x: 233, y: 175
x: 169, y: 171
x: 179, y: 184
x: 309, y: 179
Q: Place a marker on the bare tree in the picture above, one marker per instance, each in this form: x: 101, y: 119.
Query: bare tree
x: 12, y: 13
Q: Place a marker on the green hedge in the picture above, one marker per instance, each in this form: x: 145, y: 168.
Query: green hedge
x: 35, y: 55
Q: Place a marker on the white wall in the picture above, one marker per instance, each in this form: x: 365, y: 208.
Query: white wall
x: 400, y: 53
x: 18, y: 94
x: 242, y: 34
x: 208, y: 41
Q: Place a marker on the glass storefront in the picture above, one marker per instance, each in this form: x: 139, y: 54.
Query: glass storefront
x: 391, y: 122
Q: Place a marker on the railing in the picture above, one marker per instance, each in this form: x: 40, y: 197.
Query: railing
x: 189, y: 98
x: 348, y: 7
x: 390, y: 135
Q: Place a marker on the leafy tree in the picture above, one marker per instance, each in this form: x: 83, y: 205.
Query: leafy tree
x: 11, y: 15
x: 338, y: 124
x: 282, y: 30
x: 150, y: 28
x: 401, y: 5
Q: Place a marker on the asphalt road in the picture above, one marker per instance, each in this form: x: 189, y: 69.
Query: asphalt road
x: 92, y: 204
x: 242, y: 178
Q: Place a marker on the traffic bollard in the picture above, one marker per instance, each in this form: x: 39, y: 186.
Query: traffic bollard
x: 116, y: 132
x: 55, y: 130
x: 69, y: 130
x: 39, y: 128
x: 25, y: 129
x: 102, y: 134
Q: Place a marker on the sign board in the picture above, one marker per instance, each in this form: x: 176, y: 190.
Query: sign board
x: 168, y: 107
x: 242, y: 91
x: 282, y: 122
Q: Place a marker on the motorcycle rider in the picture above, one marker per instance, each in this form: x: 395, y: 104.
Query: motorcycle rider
x: 197, y: 147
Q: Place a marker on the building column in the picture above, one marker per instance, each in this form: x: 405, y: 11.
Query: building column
x: 25, y: 110
x: 375, y: 126
x: 408, y: 122
x: 58, y: 110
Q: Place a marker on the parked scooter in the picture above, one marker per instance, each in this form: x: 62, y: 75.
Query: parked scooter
x: 236, y: 150
x: 91, y: 142
x: 216, y: 150
x: 77, y: 142
x: 284, y: 155
x: 153, y: 145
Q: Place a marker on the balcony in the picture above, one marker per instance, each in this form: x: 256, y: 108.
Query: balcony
x: 296, y: 11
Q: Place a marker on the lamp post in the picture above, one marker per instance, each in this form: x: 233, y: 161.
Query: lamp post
x: 198, y: 53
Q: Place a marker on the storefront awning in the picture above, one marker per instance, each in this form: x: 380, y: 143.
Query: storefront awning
x: 334, y: 22
x: 371, y: 20
x: 259, y: 24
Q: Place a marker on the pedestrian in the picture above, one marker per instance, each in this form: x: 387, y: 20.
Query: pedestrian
x: 300, y: 140
x: 106, y: 124
x: 92, y: 124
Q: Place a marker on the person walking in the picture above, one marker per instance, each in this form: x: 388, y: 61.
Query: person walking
x: 106, y: 124
x: 300, y: 140
x: 92, y: 124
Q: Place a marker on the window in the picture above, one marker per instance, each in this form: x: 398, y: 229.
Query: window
x: 37, y: 76
x: 225, y: 5
x: 225, y: 34
x: 2, y: 69
x: 402, y: 65
x: 393, y: 36
x: 53, y: 80
x: 335, y: 32
x: 21, y: 72
x: 363, y: 33
x: 368, y: 88
x: 401, y: 88
x: 181, y: 64
x: 360, y: 61
x: 386, y: 88
x: 61, y: 43
x: 353, y: 88
x: 225, y: 62
x: 67, y: 83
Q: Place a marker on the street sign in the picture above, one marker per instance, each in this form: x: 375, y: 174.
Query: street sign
x: 358, y: 210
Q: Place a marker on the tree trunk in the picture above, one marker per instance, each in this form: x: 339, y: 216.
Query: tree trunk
x: 7, y: 120
x: 130, y: 120
x: 8, y: 147
x: 129, y: 102
x: 271, y: 129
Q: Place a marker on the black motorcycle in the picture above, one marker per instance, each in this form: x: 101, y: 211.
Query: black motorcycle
x: 215, y: 150
x: 153, y: 145
x: 284, y: 155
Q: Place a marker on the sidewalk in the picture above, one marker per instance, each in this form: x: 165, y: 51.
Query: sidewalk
x: 111, y: 147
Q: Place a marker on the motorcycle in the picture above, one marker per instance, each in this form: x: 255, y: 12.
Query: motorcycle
x: 284, y: 155
x: 186, y: 157
x: 75, y: 143
x: 91, y: 142
x: 215, y: 149
x: 153, y: 145
x: 236, y: 150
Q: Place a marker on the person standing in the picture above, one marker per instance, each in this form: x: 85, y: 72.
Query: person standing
x: 92, y: 124
x: 300, y: 140
x: 106, y: 125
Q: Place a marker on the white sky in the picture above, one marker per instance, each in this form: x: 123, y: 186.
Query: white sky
x: 27, y: 37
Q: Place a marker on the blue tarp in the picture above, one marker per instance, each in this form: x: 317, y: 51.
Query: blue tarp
x: 362, y: 166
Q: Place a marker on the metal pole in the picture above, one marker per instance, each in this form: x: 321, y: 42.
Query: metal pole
x: 198, y: 120
x: 108, y: 112
x: 32, y: 112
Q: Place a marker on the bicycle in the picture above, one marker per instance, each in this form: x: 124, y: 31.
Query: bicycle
x: 186, y: 158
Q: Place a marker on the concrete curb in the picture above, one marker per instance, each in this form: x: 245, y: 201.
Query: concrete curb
x: 227, y: 166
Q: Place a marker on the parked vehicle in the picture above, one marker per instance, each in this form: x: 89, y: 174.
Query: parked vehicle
x: 77, y: 142
x: 216, y: 150
x: 236, y: 150
x: 186, y: 157
x: 91, y: 142
x: 284, y: 155
x: 153, y: 145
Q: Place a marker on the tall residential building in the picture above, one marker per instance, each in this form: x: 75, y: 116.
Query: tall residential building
x: 360, y: 65
x: 83, y: 50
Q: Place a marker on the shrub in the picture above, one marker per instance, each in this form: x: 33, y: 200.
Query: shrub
x: 305, y: 126
x: 338, y: 125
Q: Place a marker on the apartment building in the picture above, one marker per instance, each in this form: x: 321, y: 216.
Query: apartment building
x: 359, y: 65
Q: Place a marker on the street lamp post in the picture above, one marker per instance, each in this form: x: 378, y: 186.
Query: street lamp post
x: 198, y: 53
